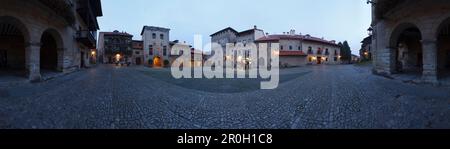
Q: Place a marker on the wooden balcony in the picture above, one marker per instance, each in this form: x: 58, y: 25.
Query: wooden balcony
x: 85, y: 37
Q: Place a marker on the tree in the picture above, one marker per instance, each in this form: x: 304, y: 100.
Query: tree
x: 346, y: 52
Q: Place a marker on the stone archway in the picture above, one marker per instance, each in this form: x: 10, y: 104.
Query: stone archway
x: 50, y: 50
x: 443, y: 49
x: 13, y: 38
x: 407, y: 52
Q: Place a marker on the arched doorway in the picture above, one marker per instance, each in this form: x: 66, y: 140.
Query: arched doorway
x: 50, y: 43
x: 13, y: 36
x: 407, y: 49
x: 443, y: 49
x: 157, y: 61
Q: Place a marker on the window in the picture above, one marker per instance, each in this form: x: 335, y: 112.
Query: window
x: 154, y: 36
x: 165, y: 50
x: 137, y: 52
x: 310, y: 50
x: 161, y: 36
x: 299, y: 48
x: 151, y: 50
x: 335, y: 59
x: 290, y: 47
x: 335, y: 52
x: 319, y: 51
x: 327, y: 52
x: 281, y: 47
x: 246, y: 54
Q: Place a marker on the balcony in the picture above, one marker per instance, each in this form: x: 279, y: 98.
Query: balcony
x: 89, y: 10
x: 85, y: 37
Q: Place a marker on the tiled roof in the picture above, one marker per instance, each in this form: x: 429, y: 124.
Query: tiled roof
x: 117, y: 34
x: 250, y: 31
x: 228, y: 28
x: 294, y: 37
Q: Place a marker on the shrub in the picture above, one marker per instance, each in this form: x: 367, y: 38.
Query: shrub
x: 166, y: 63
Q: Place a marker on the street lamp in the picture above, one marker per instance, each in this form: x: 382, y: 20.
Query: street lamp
x: 118, y: 57
x: 370, y: 31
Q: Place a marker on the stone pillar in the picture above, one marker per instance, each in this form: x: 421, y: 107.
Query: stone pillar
x: 392, y: 66
x: 32, y: 60
x: 60, y: 63
x: 429, y: 74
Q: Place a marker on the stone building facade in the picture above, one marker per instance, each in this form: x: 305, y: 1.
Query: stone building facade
x: 411, y: 37
x: 197, y: 58
x: 115, y: 47
x: 156, y: 43
x: 246, y: 38
x: 38, y: 36
x: 365, y: 53
x: 299, y: 50
x: 138, y: 52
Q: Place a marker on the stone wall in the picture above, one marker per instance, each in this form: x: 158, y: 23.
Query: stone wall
x: 424, y: 15
x: 35, y: 19
x: 292, y: 61
x: 157, y: 43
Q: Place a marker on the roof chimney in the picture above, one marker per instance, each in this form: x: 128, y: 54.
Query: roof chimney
x: 292, y: 32
x: 255, y: 27
x: 267, y: 34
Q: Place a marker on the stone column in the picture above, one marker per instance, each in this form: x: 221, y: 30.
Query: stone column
x: 60, y: 59
x: 429, y: 74
x: 392, y: 66
x: 32, y: 53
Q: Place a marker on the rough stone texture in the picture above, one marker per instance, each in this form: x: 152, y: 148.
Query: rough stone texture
x: 157, y: 43
x: 428, y: 16
x: 33, y: 19
x: 139, y: 97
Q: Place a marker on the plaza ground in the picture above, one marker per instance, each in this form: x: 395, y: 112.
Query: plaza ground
x: 107, y: 96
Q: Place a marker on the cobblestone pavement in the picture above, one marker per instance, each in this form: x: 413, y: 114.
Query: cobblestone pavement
x: 317, y: 97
